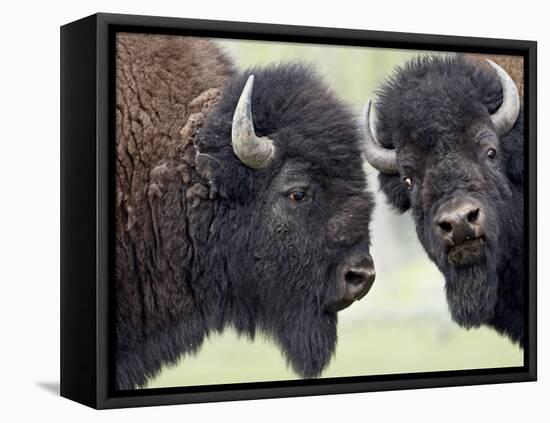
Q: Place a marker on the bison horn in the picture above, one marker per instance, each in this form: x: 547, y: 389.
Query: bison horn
x: 255, y: 152
x: 505, y: 117
x: 382, y: 159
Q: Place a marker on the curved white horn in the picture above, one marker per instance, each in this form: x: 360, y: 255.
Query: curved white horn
x: 255, y: 152
x: 505, y: 117
x: 382, y: 159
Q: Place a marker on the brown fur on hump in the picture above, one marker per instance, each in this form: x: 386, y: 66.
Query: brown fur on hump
x: 164, y: 87
x: 513, y: 65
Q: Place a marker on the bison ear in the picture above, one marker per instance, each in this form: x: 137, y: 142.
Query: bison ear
x: 395, y: 192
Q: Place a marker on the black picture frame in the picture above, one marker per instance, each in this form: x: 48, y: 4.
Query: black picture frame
x: 87, y: 137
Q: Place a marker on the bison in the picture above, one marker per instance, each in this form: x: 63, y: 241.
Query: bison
x: 447, y: 141
x: 241, y: 201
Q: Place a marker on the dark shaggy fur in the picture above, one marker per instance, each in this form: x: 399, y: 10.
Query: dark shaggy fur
x: 435, y: 112
x: 203, y: 242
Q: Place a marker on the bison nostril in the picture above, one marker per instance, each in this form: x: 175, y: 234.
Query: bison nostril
x: 445, y: 226
x: 473, y: 215
x: 358, y: 281
x: 359, y: 276
x: 354, y: 278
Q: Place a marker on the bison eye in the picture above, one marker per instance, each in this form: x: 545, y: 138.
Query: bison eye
x: 297, y: 196
x: 491, y: 153
x: 408, y: 182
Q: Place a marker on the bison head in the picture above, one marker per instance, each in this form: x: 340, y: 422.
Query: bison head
x: 283, y: 155
x: 449, y: 146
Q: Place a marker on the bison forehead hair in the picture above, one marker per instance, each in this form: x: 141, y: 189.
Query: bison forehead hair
x: 297, y: 110
x: 435, y: 114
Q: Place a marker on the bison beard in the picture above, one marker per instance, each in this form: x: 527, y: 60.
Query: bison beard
x: 472, y: 291
x: 307, y: 340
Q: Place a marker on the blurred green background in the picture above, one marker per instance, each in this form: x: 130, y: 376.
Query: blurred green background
x: 403, y: 324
